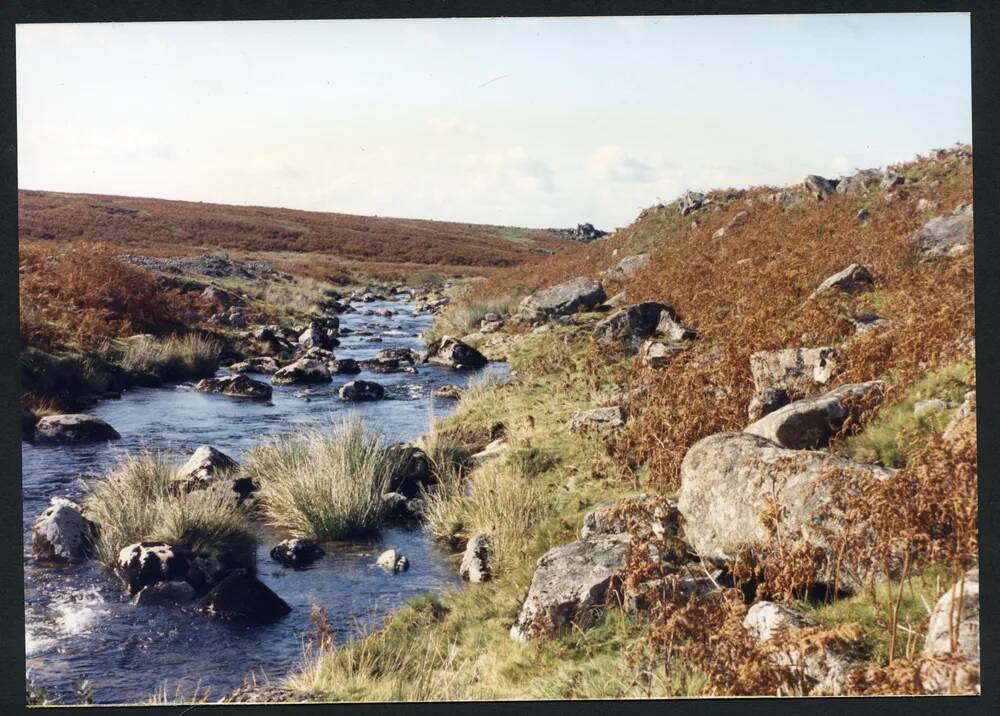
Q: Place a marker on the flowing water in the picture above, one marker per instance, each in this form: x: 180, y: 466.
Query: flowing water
x: 79, y: 625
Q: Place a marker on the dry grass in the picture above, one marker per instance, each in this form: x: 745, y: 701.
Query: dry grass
x: 173, y: 357
x: 344, y: 242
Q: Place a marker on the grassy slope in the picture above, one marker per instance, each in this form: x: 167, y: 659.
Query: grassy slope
x: 745, y: 292
x: 457, y: 647
x: 314, y: 243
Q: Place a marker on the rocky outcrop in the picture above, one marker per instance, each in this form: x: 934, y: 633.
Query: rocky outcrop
x: 798, y: 370
x: 344, y: 366
x: 414, y: 473
x: 317, y: 337
x: 397, y: 355
x: 628, y: 266
x: 491, y: 323
x: 453, y: 353
x: 859, y: 182
x: 258, y: 364
x: 564, y: 299
x: 597, y: 419
x: 393, y: 562
x: 955, y: 615
x: 361, y: 390
x: 820, y: 187
x: 811, y: 422
x: 967, y: 408
x: 853, y: 279
x: 571, y: 585
x: 146, y: 563
x: 632, y: 324
x: 691, y: 201
x: 206, y: 464
x: 766, y: 403
x: 956, y: 612
x: 303, y: 370
x: 170, y: 593
x: 73, y: 428
x: 642, y: 515
x: 235, y: 386
x: 242, y: 597
x: 657, y: 354
x: 61, y: 533
x: 296, y: 552
x: 819, y: 671
x: 728, y: 479
x: 493, y: 451
x: 477, y: 560
x: 272, y: 340
x: 398, y: 505
x: 945, y: 235
x: 448, y: 391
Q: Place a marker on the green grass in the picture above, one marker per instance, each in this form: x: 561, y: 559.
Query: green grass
x: 897, y: 431
x: 497, y: 499
x: 919, y: 597
x: 205, y: 522
x: 458, y: 646
x: 135, y: 501
x: 325, y: 484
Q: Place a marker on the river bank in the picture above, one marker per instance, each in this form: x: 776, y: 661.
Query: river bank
x: 80, y: 626
x: 744, y: 368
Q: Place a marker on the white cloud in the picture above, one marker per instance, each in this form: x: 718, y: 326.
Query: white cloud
x: 615, y: 164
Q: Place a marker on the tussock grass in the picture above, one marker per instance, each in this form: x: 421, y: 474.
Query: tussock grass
x: 325, y: 484
x: 188, y: 356
x: 463, y: 317
x: 498, y: 499
x: 205, y: 522
x: 135, y: 501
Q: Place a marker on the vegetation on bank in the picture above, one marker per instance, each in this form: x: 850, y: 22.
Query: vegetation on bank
x: 325, y: 484
x: 457, y: 646
x: 139, y: 500
x: 467, y: 315
x: 745, y: 291
x: 171, y: 358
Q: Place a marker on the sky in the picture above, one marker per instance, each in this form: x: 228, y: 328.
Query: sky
x: 540, y: 122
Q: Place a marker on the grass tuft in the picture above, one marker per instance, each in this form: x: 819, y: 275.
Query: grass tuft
x: 463, y: 317
x: 173, y: 358
x: 324, y: 484
x: 135, y: 502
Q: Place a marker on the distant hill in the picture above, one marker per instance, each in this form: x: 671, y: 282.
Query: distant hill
x: 368, y: 244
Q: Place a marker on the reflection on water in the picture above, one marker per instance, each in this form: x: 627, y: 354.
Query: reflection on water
x: 79, y: 625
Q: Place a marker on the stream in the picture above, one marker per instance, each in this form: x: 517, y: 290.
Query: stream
x: 78, y: 623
